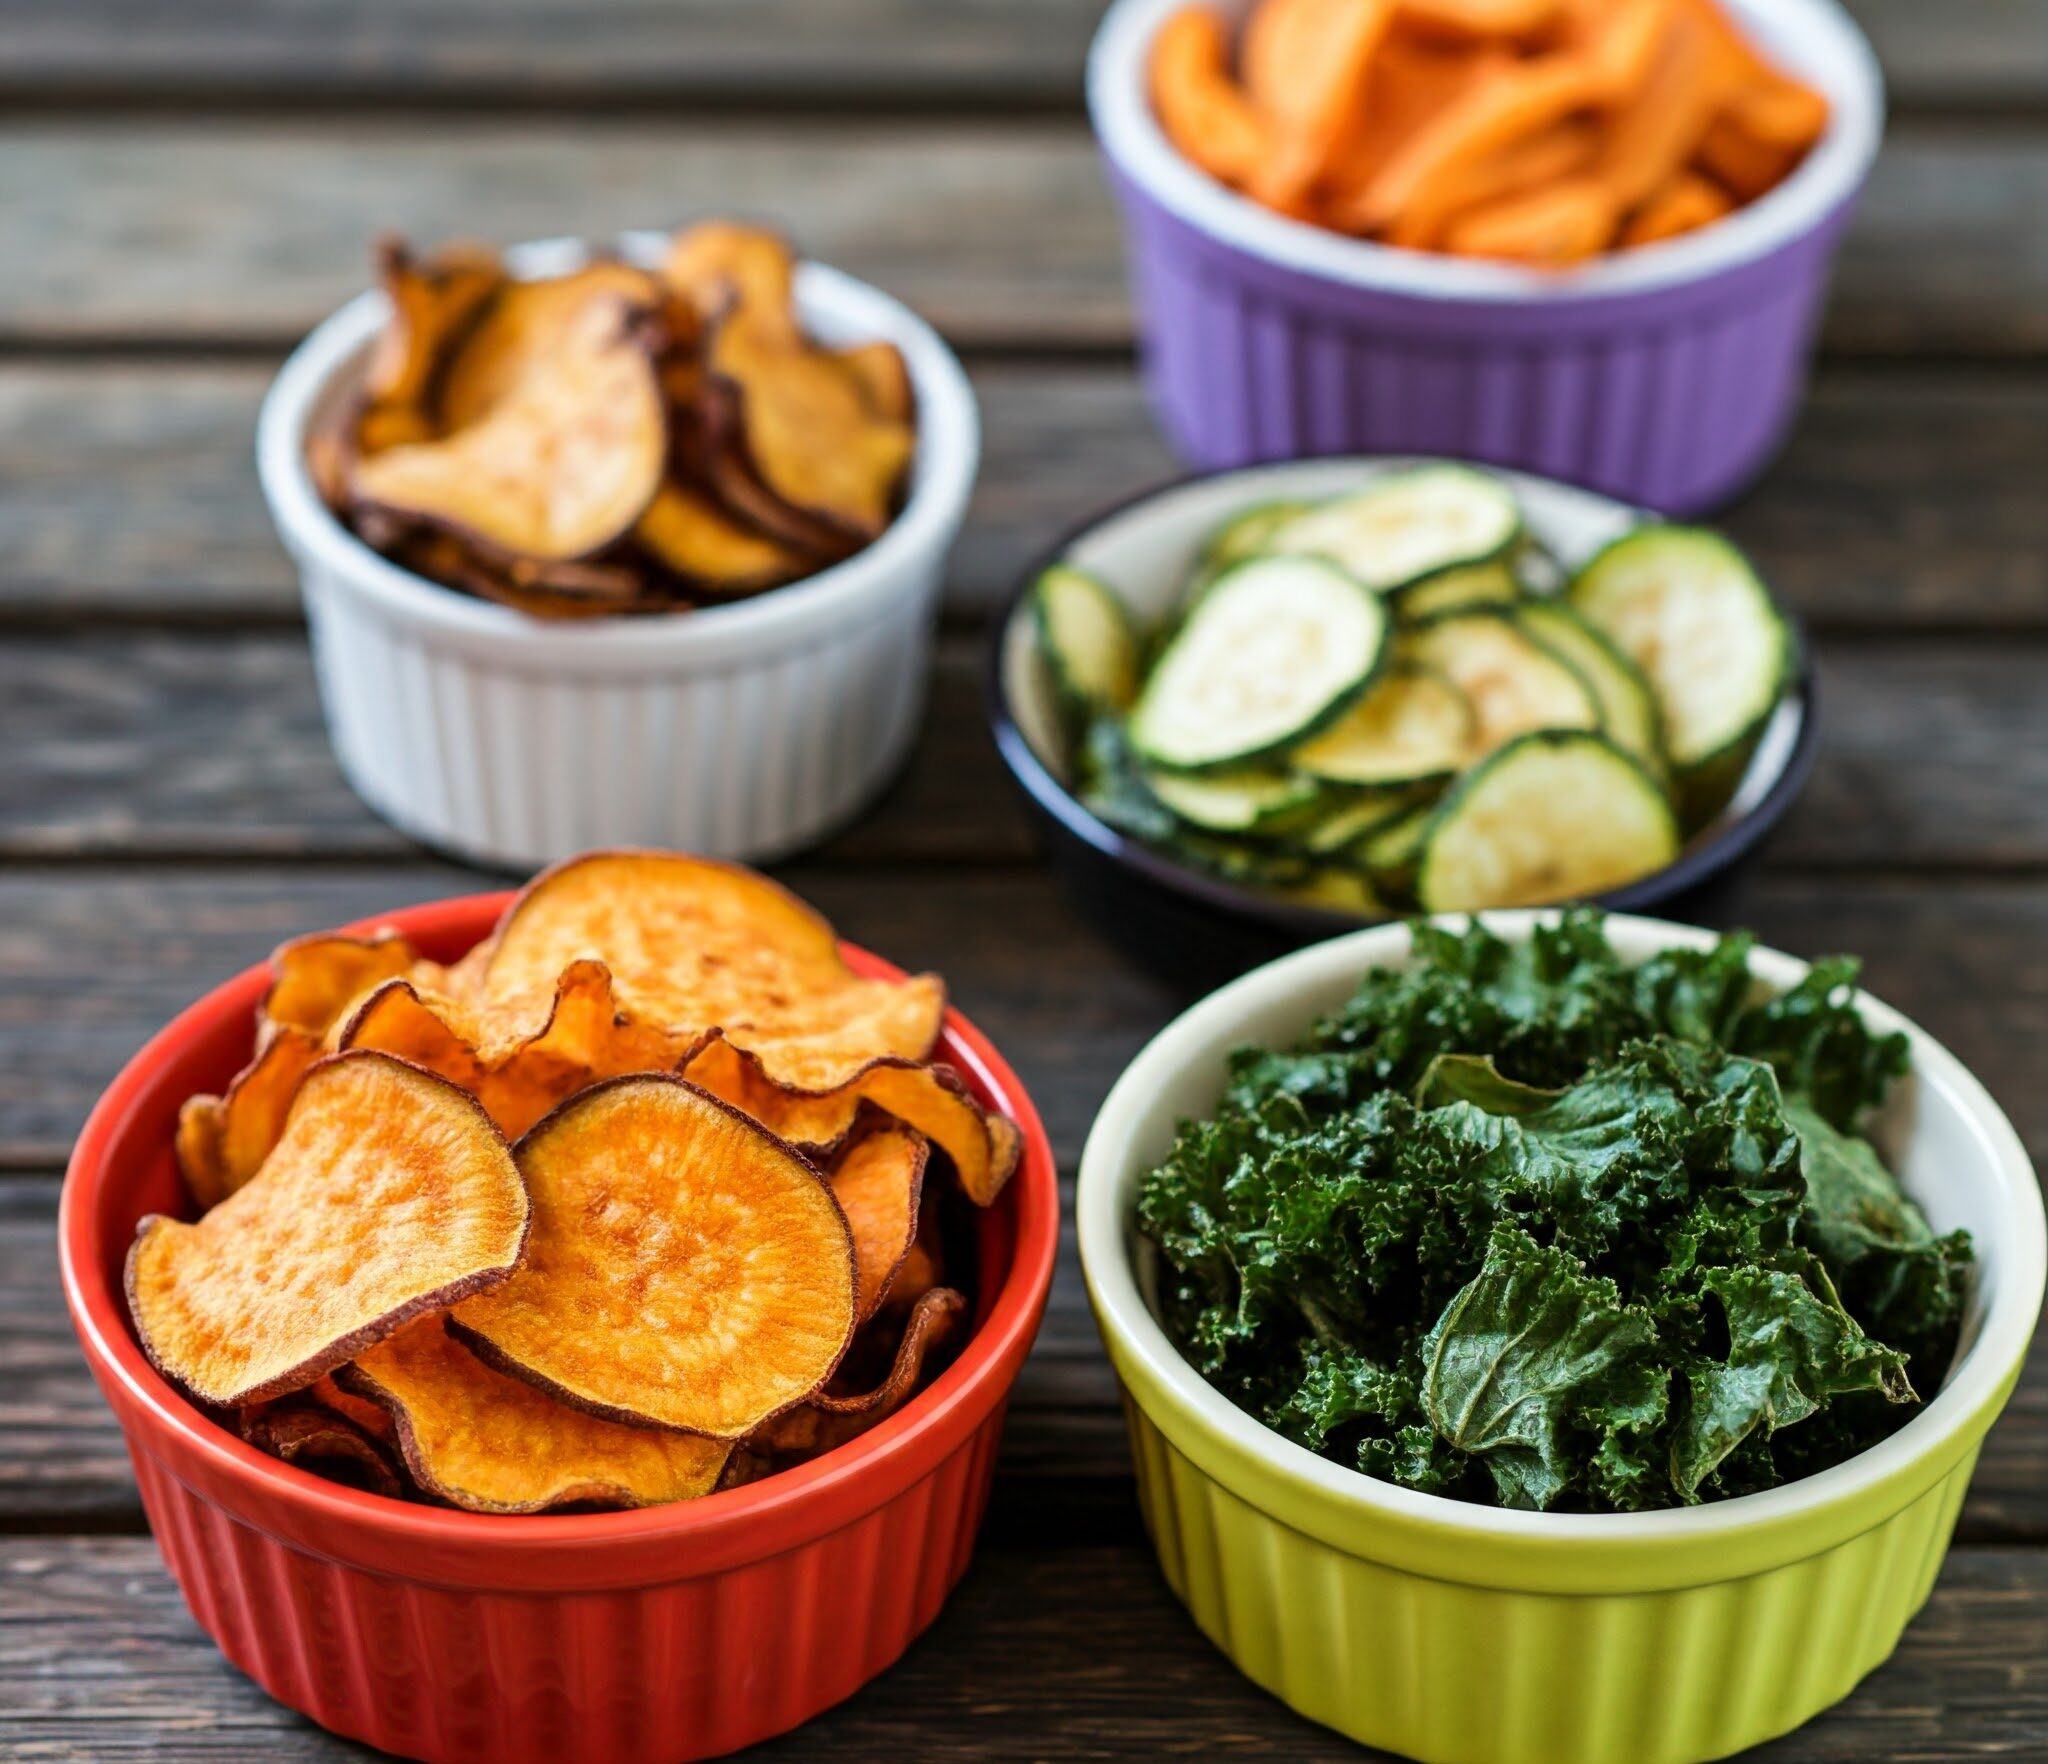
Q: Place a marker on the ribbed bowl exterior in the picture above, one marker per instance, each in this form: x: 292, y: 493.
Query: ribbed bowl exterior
x: 1470, y: 1674
x: 751, y: 756
x: 1672, y: 399
x: 676, y: 1670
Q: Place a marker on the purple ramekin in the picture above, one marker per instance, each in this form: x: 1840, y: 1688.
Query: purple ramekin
x: 1667, y: 375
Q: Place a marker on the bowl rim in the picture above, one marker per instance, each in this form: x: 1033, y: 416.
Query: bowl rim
x: 1550, y: 1551
x: 1836, y: 55
x: 745, y: 1523
x: 1697, y: 863
x: 942, y: 479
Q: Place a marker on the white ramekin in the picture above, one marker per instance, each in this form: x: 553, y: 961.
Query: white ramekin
x: 746, y: 731
x: 1465, y: 1634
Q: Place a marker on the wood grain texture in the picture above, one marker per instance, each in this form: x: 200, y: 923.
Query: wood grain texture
x: 1935, y: 755
x: 193, y: 230
x: 1064, y: 1654
x: 127, y: 489
x: 868, y: 52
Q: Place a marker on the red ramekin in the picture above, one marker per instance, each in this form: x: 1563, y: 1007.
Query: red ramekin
x: 665, y: 1634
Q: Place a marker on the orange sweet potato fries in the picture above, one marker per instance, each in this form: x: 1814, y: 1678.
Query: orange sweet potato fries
x: 648, y: 1195
x: 615, y: 439
x: 1540, y: 131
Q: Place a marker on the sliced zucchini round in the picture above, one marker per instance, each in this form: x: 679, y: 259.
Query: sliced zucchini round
x: 1408, y: 525
x: 1237, y: 802
x: 1628, y: 709
x: 1337, y: 891
x: 1340, y: 828
x: 1275, y: 649
x: 1086, y: 637
x: 1513, y: 683
x: 1457, y: 590
x: 1688, y: 609
x: 1553, y: 816
x: 1411, y: 727
x: 1244, y: 535
x: 1390, y: 853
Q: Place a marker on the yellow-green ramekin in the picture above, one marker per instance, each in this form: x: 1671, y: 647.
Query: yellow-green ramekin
x: 1460, y: 1634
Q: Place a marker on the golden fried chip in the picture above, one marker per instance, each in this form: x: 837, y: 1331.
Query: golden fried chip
x: 526, y: 326
x: 808, y: 429
x: 431, y: 303
x: 314, y: 1437
x: 494, y: 1444
x: 931, y: 1098
x: 363, y: 1414
x: 516, y: 1072
x: 390, y: 1194
x: 562, y: 463
x: 878, y: 1181
x: 693, y: 944
x: 879, y: 370
x: 689, y: 534
x: 686, y: 1269
x: 721, y: 267
x: 316, y: 980
x: 222, y: 1140
x: 831, y: 1419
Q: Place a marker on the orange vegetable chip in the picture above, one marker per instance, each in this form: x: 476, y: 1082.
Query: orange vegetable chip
x: 222, y: 1140
x: 923, y: 1269
x: 829, y: 1419
x: 518, y: 1073
x: 493, y: 1444
x: 389, y: 1194
x: 319, y: 978
x: 686, y: 1269
x: 686, y: 532
x: 721, y: 267
x: 431, y: 303
x: 359, y: 1410
x: 879, y: 370
x: 562, y: 463
x: 931, y: 1098
x: 299, y: 1431
x: 878, y: 1181
x: 693, y: 944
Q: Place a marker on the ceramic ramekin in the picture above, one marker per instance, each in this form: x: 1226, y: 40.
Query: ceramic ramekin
x: 1461, y: 1634
x: 745, y: 731
x: 1193, y: 925
x: 608, y: 1638
x: 1667, y: 375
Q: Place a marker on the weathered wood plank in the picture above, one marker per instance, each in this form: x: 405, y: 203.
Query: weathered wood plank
x: 1935, y: 753
x: 869, y: 52
x: 1906, y: 498
x: 190, y: 230
x: 1075, y: 1654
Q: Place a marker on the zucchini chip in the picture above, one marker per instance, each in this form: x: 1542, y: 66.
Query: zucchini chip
x: 686, y: 1268
x: 1242, y: 536
x: 878, y: 1181
x: 1251, y: 801
x: 1412, y: 727
x: 690, y: 536
x: 1457, y: 590
x: 1087, y: 639
x: 1554, y: 816
x: 487, y: 1443
x: 1513, y: 683
x: 1274, y: 649
x: 299, y: 1430
x: 561, y: 465
x: 1628, y: 709
x: 389, y: 1195
x: 1404, y: 526
x: 693, y: 944
x: 222, y: 1141
x: 933, y: 1099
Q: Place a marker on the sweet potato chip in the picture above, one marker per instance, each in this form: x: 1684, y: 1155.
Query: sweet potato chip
x: 878, y: 1181
x: 831, y: 1419
x: 389, y: 1194
x: 365, y: 1415
x: 689, y: 534
x: 879, y: 370
x: 517, y: 1073
x: 525, y: 328
x: 686, y: 1269
x: 222, y: 1140
x: 562, y: 463
x: 299, y: 1431
x: 923, y: 1269
x: 494, y: 1444
x: 721, y: 267
x: 693, y: 944
x: 931, y: 1098
x: 431, y: 304
x: 317, y: 980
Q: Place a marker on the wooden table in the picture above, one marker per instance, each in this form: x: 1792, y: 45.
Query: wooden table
x: 184, y: 190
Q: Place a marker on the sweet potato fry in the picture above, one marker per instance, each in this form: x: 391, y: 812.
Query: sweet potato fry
x: 1684, y: 204
x: 1200, y: 105
x: 1308, y: 64
x: 1551, y: 227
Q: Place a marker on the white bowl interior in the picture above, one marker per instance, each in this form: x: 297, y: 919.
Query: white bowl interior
x: 1815, y: 39
x: 834, y: 307
x: 1147, y: 550
x: 1952, y: 1148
